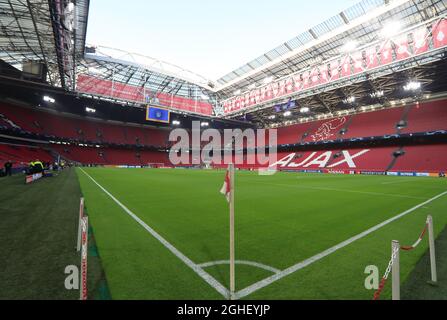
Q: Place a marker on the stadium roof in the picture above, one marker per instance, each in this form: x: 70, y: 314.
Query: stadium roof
x: 361, y: 22
x: 53, y: 32
x: 137, y: 70
x: 326, y: 43
x: 44, y: 31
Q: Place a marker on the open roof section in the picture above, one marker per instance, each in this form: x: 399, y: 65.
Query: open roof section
x: 47, y: 31
x: 360, y: 22
x: 153, y: 75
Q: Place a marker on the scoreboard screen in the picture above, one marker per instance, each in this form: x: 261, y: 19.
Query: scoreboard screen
x: 158, y: 114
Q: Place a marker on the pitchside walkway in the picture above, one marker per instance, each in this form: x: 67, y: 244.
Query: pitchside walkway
x: 416, y: 286
x: 38, y: 238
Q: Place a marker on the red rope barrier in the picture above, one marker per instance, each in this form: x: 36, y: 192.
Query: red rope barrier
x: 380, y: 289
x: 408, y: 248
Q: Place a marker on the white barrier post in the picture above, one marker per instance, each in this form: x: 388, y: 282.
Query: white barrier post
x: 84, y: 253
x: 431, y: 241
x: 81, y: 215
x: 395, y: 247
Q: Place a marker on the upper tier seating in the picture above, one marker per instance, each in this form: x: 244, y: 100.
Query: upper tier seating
x: 427, y: 117
x: 430, y: 116
x: 50, y: 124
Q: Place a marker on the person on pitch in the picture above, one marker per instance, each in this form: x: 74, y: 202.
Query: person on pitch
x: 8, y: 168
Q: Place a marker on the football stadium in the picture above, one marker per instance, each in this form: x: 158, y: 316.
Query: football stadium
x: 314, y: 171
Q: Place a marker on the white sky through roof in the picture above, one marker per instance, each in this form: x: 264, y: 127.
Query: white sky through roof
x: 209, y: 37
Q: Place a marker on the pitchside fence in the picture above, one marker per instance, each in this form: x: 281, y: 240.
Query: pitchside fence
x: 394, y: 264
x: 82, y: 246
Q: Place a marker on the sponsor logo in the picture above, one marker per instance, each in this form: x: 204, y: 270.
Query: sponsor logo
x: 336, y: 171
x: 33, y: 177
x: 312, y: 171
x: 423, y: 174
x: 328, y: 129
x: 373, y: 173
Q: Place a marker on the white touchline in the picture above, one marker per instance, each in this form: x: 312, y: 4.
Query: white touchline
x: 340, y: 190
x: 197, y: 269
x: 267, y: 281
x: 243, y: 262
x: 398, y: 181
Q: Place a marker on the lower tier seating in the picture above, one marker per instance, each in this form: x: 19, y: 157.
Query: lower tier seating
x: 22, y: 155
x: 421, y: 158
x: 424, y: 158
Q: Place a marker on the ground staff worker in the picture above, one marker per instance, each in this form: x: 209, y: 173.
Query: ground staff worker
x: 8, y: 168
x: 38, y: 166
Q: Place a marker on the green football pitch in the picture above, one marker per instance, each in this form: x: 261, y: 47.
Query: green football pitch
x: 164, y: 233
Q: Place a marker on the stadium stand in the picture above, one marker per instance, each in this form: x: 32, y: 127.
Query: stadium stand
x: 414, y: 119
x: 408, y: 119
x: 111, y: 156
x: 21, y: 155
x: 431, y: 158
x: 53, y: 125
x: 430, y: 116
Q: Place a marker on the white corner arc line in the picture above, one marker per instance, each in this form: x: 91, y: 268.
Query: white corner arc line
x: 243, y: 262
x: 267, y: 281
x: 197, y: 269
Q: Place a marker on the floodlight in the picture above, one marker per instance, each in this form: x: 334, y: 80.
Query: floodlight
x: 48, y: 99
x: 391, y: 29
x: 304, y: 109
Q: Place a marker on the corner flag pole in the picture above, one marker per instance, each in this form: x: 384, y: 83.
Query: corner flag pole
x: 232, y: 269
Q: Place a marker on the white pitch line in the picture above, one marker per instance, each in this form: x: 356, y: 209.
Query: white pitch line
x: 342, y: 190
x: 398, y: 181
x: 248, y: 263
x: 267, y: 281
x: 197, y: 269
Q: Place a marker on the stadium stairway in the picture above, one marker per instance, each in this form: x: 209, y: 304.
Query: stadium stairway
x: 403, y: 122
x: 396, y: 154
x: 342, y: 132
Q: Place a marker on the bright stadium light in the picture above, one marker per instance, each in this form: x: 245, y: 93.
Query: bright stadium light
x: 349, y: 100
x: 204, y: 124
x: 176, y: 123
x: 48, y: 99
x: 90, y: 110
x: 93, y: 70
x: 391, y: 29
x: 349, y: 46
x: 71, y: 6
x: 237, y: 92
x: 377, y: 94
x: 268, y: 80
x: 304, y: 109
x: 412, y: 86
x: 272, y: 117
x: 287, y: 114
x: 204, y: 97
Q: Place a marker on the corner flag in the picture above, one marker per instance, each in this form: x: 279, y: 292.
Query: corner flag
x: 226, y: 188
x: 228, y: 191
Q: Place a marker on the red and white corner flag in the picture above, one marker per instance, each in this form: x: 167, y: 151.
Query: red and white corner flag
x: 228, y: 191
x: 226, y: 188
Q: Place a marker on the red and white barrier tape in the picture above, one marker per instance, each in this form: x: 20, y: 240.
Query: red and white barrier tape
x: 408, y: 248
x: 393, y: 256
